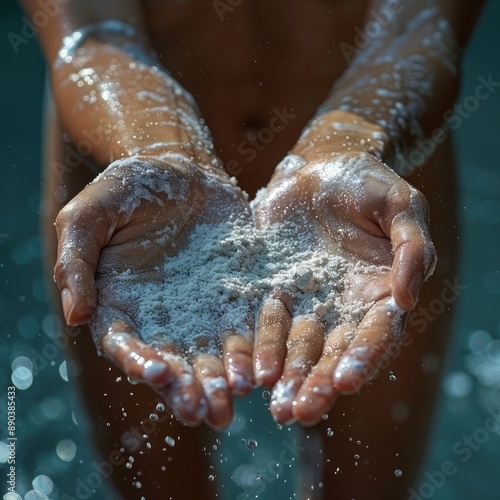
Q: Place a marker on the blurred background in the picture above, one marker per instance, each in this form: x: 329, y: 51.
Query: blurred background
x: 52, y: 450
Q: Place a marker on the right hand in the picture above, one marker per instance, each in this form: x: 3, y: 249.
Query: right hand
x: 120, y: 228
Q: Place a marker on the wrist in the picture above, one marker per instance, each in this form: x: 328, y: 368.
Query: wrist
x: 339, y: 131
x: 142, y: 167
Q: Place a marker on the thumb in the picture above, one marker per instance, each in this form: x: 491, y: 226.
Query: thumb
x: 83, y: 228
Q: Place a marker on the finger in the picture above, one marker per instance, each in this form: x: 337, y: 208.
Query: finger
x: 185, y: 394
x: 317, y: 394
x: 82, y: 231
x: 211, y: 373
x: 414, y: 252
x: 238, y: 363
x: 136, y: 359
x: 304, y: 346
x: 160, y: 367
x: 272, y: 331
x: 376, y: 339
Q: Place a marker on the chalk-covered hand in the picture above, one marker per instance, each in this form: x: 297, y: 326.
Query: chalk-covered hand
x: 355, y: 207
x: 112, y: 241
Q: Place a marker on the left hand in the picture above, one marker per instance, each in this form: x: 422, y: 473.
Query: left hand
x: 356, y: 207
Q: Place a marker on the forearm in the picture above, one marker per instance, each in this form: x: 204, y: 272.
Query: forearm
x: 405, y: 78
x: 110, y: 89
x: 135, y: 106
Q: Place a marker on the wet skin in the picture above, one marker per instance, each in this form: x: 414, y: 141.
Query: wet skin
x: 383, y: 213
x: 382, y: 222
x: 388, y: 216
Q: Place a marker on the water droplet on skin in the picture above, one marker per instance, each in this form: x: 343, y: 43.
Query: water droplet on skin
x: 392, y: 377
x: 160, y: 407
x: 325, y: 416
x: 170, y: 441
x: 211, y: 477
x: 398, y: 472
x: 153, y: 417
x: 128, y: 465
x: 329, y: 432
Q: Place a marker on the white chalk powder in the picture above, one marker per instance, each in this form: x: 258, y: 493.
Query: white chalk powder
x: 219, y: 280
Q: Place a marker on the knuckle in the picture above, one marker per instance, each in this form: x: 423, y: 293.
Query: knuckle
x: 66, y: 216
x: 420, y: 199
x: 60, y: 274
x: 430, y: 255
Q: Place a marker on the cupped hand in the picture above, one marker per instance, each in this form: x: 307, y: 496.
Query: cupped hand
x: 114, y: 238
x: 357, y: 209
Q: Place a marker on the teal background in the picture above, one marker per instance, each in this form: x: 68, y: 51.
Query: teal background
x: 470, y: 389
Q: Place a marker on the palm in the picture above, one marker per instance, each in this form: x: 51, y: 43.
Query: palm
x: 142, y: 217
x: 347, y: 207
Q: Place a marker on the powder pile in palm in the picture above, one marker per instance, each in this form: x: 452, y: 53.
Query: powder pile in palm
x: 218, y: 282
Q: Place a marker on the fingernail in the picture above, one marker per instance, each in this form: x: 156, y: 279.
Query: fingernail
x: 202, y: 409
x: 284, y: 392
x: 155, y: 371
x: 185, y: 408
x: 212, y: 385
x: 115, y: 342
x: 265, y: 377
x: 240, y: 384
x: 414, y: 287
x: 240, y: 378
x: 325, y: 390
x: 67, y: 304
x: 350, y: 367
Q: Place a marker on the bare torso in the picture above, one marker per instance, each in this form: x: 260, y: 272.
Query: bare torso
x: 259, y: 73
